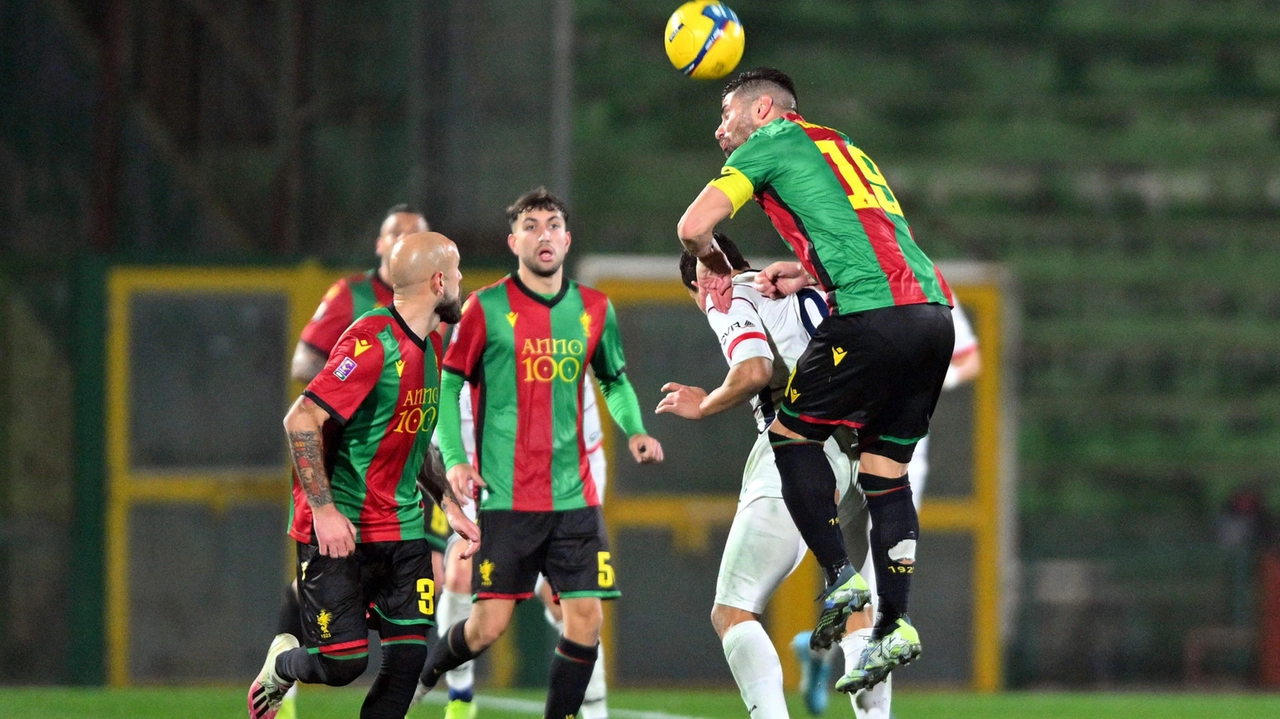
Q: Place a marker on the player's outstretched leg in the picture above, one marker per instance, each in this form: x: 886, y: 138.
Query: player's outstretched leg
x: 449, y: 653
x: 575, y: 658
x: 595, y: 702
x: 895, y: 527
x: 809, y: 490
x: 268, y: 689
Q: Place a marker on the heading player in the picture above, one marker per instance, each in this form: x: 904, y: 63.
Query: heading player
x: 358, y: 437
x: 523, y: 344
x: 877, y: 363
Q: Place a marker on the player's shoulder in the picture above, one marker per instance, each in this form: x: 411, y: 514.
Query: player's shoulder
x: 493, y: 288
x: 588, y: 293
x: 371, y: 323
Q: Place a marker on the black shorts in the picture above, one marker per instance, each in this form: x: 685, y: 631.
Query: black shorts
x: 438, y: 529
x: 569, y: 548
x: 878, y: 371
x: 391, y: 580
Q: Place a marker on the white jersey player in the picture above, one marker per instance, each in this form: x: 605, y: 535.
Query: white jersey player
x: 455, y: 596
x: 761, y: 340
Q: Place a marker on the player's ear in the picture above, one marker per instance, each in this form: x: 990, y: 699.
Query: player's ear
x: 568, y: 239
x: 511, y: 244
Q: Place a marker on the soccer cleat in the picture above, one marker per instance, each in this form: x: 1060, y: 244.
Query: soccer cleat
x: 460, y: 709
x: 848, y: 594
x: 883, y: 655
x: 815, y: 672
x: 268, y: 690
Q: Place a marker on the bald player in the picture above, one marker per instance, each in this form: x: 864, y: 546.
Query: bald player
x: 358, y: 436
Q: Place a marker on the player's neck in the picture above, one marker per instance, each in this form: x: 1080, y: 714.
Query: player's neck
x: 420, y: 317
x: 542, y: 285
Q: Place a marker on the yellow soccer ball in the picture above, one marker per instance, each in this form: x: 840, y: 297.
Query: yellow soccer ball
x: 704, y: 39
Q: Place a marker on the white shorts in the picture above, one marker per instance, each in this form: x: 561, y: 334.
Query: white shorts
x: 764, y: 547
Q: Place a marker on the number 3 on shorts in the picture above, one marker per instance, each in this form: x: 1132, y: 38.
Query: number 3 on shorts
x: 606, y: 571
x: 426, y: 597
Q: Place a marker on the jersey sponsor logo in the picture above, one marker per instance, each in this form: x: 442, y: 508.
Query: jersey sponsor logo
x: 323, y: 620
x: 739, y: 325
x: 512, y: 317
x: 345, y: 368
x: 399, y: 368
x: 418, y: 413
x: 486, y: 573
x: 548, y: 359
x: 837, y: 355
x: 362, y: 346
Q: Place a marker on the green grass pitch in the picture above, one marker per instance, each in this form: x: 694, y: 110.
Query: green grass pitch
x: 323, y: 703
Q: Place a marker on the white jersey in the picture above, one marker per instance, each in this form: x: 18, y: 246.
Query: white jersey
x: 754, y: 326
x: 592, y: 434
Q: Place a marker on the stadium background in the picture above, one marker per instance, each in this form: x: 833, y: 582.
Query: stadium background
x: 1117, y: 159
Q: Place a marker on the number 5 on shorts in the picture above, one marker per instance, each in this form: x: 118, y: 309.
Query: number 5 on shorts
x: 426, y: 597
x: 606, y: 571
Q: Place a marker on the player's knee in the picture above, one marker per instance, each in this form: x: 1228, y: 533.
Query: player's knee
x: 724, y: 618
x: 483, y: 631
x: 899, y: 453
x: 582, y: 619
x: 341, y: 672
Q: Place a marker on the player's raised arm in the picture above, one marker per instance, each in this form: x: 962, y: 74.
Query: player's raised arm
x: 610, y: 364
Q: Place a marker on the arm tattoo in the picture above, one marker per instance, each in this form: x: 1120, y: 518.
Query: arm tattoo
x: 308, y: 461
x: 432, y: 480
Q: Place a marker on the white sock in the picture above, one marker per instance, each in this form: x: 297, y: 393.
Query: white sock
x: 870, y: 703
x: 593, y: 702
x: 757, y: 670
x: 453, y: 608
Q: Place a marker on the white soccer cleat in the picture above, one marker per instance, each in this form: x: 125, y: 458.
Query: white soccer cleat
x: 268, y: 689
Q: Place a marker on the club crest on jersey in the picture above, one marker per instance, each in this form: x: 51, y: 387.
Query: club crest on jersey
x: 837, y: 355
x: 362, y: 346
x: 511, y: 318
x: 585, y: 319
x: 345, y: 368
x: 323, y: 620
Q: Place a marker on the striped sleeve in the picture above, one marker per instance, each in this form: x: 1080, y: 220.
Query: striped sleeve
x: 740, y: 331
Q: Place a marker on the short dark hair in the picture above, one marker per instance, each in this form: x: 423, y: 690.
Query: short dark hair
x: 760, y: 81
x: 405, y: 208
x: 689, y: 263
x: 538, y: 198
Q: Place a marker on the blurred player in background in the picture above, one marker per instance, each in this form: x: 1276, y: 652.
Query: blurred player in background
x: 524, y: 344
x: 762, y: 339
x: 359, y: 435
x: 455, y: 591
x: 966, y: 364
x: 345, y: 300
x: 876, y: 364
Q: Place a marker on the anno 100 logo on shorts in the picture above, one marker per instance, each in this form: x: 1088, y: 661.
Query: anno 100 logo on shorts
x: 546, y: 359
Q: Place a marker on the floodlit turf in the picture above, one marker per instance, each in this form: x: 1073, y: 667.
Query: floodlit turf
x: 345, y: 703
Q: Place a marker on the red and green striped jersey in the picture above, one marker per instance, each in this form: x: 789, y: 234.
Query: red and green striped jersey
x: 830, y: 203
x: 524, y: 355
x: 381, y: 388
x: 347, y: 299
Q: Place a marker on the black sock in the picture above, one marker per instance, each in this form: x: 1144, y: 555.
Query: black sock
x: 448, y: 654
x: 392, y: 690
x: 570, y: 673
x: 299, y: 665
x: 893, y: 522
x: 809, y: 491
x: 290, y: 621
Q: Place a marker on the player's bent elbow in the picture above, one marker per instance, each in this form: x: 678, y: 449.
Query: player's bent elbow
x: 689, y: 229
x: 758, y: 371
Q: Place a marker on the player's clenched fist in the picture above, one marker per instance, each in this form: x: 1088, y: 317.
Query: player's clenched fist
x: 682, y: 401
x: 334, y: 532
x: 465, y: 481
x: 781, y: 279
x: 645, y: 449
